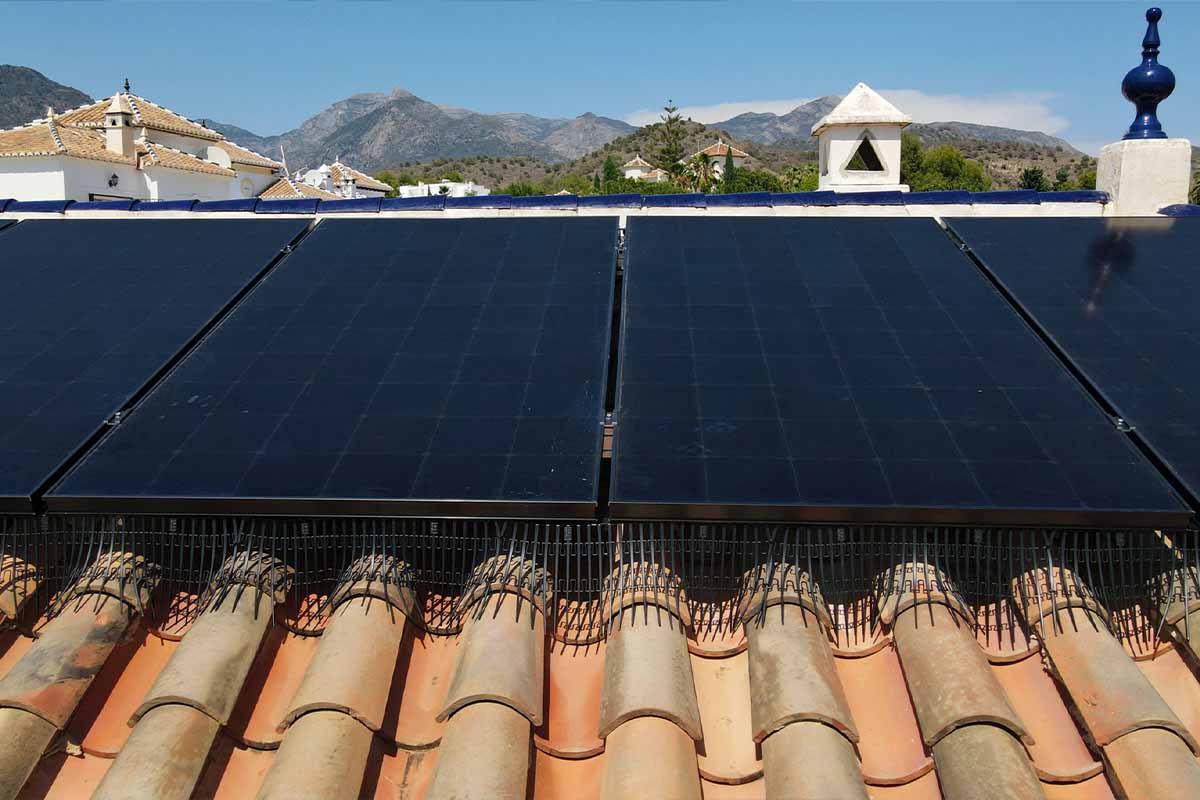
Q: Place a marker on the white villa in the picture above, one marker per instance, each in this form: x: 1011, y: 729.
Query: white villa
x: 640, y: 169
x: 127, y: 147
x: 716, y: 153
x: 336, y: 181
x: 448, y: 188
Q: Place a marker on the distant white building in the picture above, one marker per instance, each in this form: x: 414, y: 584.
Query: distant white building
x: 448, y: 188
x: 336, y: 181
x: 640, y: 169
x: 127, y: 148
x: 716, y: 153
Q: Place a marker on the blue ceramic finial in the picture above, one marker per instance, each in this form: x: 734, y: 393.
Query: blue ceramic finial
x: 1148, y: 84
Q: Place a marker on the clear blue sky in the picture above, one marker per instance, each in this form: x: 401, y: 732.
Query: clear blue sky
x: 266, y: 66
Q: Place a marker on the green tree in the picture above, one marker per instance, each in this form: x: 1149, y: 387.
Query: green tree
x: 800, y: 179
x: 391, y: 180
x: 912, y: 153
x: 520, y: 189
x: 727, y: 172
x: 1194, y: 198
x: 1062, y: 180
x: 1034, y: 178
x: 943, y: 168
x: 754, y: 180
x: 1086, y: 179
x: 611, y: 172
x: 596, y: 184
x: 670, y: 139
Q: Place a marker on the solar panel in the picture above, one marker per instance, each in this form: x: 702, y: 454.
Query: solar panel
x: 849, y: 369
x: 1120, y: 298
x: 91, y: 310
x: 412, y: 367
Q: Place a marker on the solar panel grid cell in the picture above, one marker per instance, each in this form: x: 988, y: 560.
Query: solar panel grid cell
x: 1119, y: 297
x: 406, y: 363
x: 833, y: 369
x: 90, y: 310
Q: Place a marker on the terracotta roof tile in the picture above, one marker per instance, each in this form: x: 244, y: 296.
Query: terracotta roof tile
x: 728, y: 752
x: 243, y: 155
x: 650, y: 757
x: 164, y: 756
x: 361, y: 179
x: 1153, y: 763
x: 52, y: 677
x: 501, y: 657
x: 1058, y: 752
x: 424, y: 668
x: 1111, y: 695
x: 810, y: 760
x: 278, y: 670
x: 648, y: 672
x: 101, y: 722
x: 376, y: 684
x: 890, y: 741
x: 792, y: 674
x: 163, y: 156
x: 288, y: 189
x: 948, y: 675
x: 574, y: 681
x: 145, y: 113
x: 984, y: 762
x: 212, y: 661
x: 25, y: 736
x: 323, y: 755
x: 1175, y: 683
x: 485, y: 754
x: 18, y: 581
x: 351, y: 670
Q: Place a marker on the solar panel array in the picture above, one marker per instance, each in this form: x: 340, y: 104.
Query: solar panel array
x: 849, y: 369
x: 90, y: 310
x: 1120, y: 298
x: 407, y: 366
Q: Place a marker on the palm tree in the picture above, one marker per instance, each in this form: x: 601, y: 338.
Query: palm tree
x: 699, y: 173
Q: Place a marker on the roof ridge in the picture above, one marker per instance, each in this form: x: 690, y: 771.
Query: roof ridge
x: 53, y: 126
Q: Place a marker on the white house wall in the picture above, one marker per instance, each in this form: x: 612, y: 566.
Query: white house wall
x: 840, y: 145
x: 32, y: 178
x: 83, y: 178
x: 175, y: 184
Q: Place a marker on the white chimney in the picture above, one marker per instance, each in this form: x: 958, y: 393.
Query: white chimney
x: 866, y: 125
x: 118, y: 126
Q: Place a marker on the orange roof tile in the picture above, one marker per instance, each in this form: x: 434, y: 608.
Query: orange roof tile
x: 242, y: 155
x: 163, y: 156
x: 288, y: 189
x: 718, y: 149
x: 362, y: 180
x: 647, y: 709
x: 145, y: 114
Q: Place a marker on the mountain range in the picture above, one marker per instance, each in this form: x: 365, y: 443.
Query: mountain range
x: 25, y: 94
x: 379, y: 130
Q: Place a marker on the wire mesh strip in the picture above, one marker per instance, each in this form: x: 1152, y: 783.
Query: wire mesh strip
x: 580, y: 573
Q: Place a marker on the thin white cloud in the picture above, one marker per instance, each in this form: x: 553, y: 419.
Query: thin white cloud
x: 1030, y: 111
x: 1026, y: 111
x: 718, y: 112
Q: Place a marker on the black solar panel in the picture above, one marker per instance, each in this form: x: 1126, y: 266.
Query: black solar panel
x: 1121, y: 299
x: 387, y: 366
x: 849, y: 369
x: 91, y: 310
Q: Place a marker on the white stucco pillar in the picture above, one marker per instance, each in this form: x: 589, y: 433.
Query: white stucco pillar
x: 1143, y: 175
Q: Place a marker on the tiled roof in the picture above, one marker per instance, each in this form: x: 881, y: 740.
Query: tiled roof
x: 384, y: 705
x: 718, y: 149
x: 48, y: 138
x: 163, y: 156
x: 145, y: 113
x: 340, y: 172
x: 288, y: 189
x: 637, y: 161
x: 242, y: 155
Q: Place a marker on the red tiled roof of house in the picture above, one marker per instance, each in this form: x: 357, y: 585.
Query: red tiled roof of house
x: 341, y: 171
x: 718, y: 149
x: 384, y: 704
x: 288, y: 189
